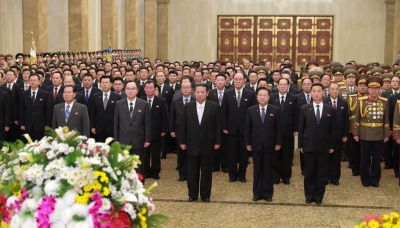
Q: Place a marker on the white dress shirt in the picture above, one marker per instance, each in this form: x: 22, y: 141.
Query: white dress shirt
x: 321, y: 104
x: 133, y: 103
x: 200, y: 110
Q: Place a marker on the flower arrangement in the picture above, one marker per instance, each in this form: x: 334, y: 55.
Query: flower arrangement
x: 385, y: 221
x: 66, y: 180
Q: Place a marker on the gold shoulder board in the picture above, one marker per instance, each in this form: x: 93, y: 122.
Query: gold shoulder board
x: 362, y: 98
x: 383, y: 98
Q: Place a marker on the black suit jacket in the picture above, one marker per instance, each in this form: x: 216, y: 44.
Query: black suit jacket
x: 342, y: 117
x: 14, y: 101
x: 4, y: 110
x: 176, y: 115
x: 35, y: 116
x: 177, y: 86
x: 50, y: 90
x: 233, y: 117
x: 313, y: 136
x: 159, y: 116
x: 289, y: 114
x: 103, y: 120
x: 167, y: 93
x: 78, y: 98
x: 387, y: 93
x: 302, y: 100
x: 200, y: 138
x: 213, y: 95
x: 94, y: 90
x: 267, y: 134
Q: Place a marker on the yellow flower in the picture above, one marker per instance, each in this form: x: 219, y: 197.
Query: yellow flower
x: 106, y: 191
x: 385, y: 218
x: 4, y: 224
x: 25, y: 167
x: 104, y: 179
x: 143, y: 211
x: 373, y: 224
x: 87, y: 188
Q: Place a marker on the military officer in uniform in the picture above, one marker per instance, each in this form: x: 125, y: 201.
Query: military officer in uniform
x: 355, y: 156
x: 371, y: 128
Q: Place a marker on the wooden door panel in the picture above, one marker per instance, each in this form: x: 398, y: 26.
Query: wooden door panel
x: 265, y: 38
x: 245, y: 38
x: 304, y: 40
x: 227, y: 42
x: 283, y: 39
x: 323, y: 40
x: 226, y: 38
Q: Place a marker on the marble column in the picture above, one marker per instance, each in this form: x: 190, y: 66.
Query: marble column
x: 396, y: 31
x: 11, y: 27
x: 109, y: 23
x: 150, y: 29
x: 132, y: 24
x: 389, y: 31
x: 34, y: 19
x: 162, y: 31
x: 78, y: 25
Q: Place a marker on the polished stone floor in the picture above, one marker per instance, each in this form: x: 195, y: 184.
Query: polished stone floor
x: 232, y: 206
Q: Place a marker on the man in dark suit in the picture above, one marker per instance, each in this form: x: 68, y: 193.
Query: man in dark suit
x: 172, y: 80
x: 220, y: 155
x: 102, y: 110
x: 132, y: 123
x: 289, y: 127
x: 304, y: 98
x: 316, y: 141
x: 118, y: 86
x: 35, y: 109
x: 174, y: 125
x: 252, y: 83
x: 4, y: 114
x: 68, y: 80
x: 200, y: 135
x: 88, y: 90
x: 263, y: 137
x: 395, y: 152
x: 71, y: 114
x: 292, y: 88
x: 14, y: 132
x: 56, y: 87
x: 159, y: 126
x: 342, y: 130
x: 235, y: 103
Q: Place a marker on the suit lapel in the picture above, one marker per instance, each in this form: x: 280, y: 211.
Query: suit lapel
x: 206, y: 111
x: 136, y: 109
x: 258, y: 113
x: 72, y: 112
x: 324, y: 114
x: 312, y: 112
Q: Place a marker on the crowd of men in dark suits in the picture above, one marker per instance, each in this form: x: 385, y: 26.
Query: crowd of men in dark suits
x: 259, y: 112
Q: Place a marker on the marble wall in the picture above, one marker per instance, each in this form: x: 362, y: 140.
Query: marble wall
x: 57, y: 24
x: 359, y: 25
x: 11, y: 27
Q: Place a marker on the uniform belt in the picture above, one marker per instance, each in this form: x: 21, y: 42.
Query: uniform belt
x: 371, y: 124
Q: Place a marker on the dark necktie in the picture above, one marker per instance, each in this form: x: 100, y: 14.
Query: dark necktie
x: 186, y: 101
x: 9, y: 86
x: 325, y: 92
x: 87, y: 95
x: 238, y: 98
x: 318, y: 114
x: 55, y: 93
x: 131, y: 109
x: 149, y: 103
x: 262, y: 114
x: 33, y: 97
x: 308, y: 98
x: 282, y: 103
x: 334, y: 105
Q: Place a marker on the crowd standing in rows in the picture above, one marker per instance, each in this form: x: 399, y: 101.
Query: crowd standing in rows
x: 214, y: 115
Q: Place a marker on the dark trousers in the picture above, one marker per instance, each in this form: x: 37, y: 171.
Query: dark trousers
x: 101, y: 137
x: 355, y: 155
x: 396, y: 158
x: 283, y: 160
x: 142, y: 157
x: 346, y: 150
x: 237, y: 153
x: 2, y: 135
x: 35, y: 135
x: 197, y: 164
x: 263, y: 173
x: 371, y: 161
x: 181, y: 160
x: 388, y: 152
x: 152, y: 161
x: 14, y: 133
x: 302, y: 162
x: 316, y: 168
x: 334, y: 162
x: 221, y: 155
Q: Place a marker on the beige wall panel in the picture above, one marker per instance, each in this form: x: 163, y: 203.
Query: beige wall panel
x: 11, y: 27
x: 357, y: 35
x: 94, y: 21
x: 58, y: 25
x: 34, y: 19
x: 109, y: 23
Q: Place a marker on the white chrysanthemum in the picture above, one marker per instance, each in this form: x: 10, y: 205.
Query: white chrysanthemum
x: 15, y: 221
x: 82, y: 224
x: 71, y: 149
x: 11, y: 200
x: 52, y: 187
x: 69, y: 197
x: 28, y: 222
x: 67, y: 215
x: 58, y: 211
x: 31, y: 204
x: 80, y: 209
x: 50, y: 154
x: 106, y: 205
x: 62, y: 147
x: 36, y: 192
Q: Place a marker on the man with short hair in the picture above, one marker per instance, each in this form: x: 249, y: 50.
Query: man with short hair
x: 252, y: 83
x: 71, y: 114
x: 102, y: 110
x: 132, y: 123
x: 35, y: 109
x: 88, y: 90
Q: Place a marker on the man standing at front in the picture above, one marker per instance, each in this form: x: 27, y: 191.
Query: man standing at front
x: 371, y: 127
x: 316, y: 141
x: 71, y: 114
x: 263, y: 137
x: 132, y: 123
x: 235, y: 103
x: 200, y: 135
